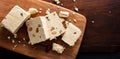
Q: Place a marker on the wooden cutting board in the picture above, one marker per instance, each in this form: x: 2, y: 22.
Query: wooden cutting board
x: 42, y: 50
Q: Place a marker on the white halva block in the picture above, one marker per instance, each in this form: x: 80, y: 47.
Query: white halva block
x: 71, y: 34
x: 37, y: 30
x: 55, y: 25
x: 15, y: 19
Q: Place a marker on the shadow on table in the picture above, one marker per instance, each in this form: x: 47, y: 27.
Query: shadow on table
x: 5, y: 54
x: 95, y: 55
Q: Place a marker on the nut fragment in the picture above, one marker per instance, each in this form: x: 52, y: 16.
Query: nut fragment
x: 75, y: 32
x: 37, y: 30
x: 15, y: 35
x: 76, y: 9
x: 74, y: 0
x: 57, y: 1
x: 47, y: 18
x: 64, y: 24
x: 93, y: 21
x: 40, y: 9
x: 19, y: 41
x: 61, y: 4
x: 8, y: 37
x: 24, y: 39
x: 30, y: 29
x: 14, y: 47
x: 13, y: 41
x: 29, y: 42
x: 53, y: 33
x: 21, y: 14
x: 48, y: 11
x: 109, y: 11
x: 69, y: 20
x: 75, y: 20
x: 33, y: 35
x: 33, y: 10
x: 60, y: 31
x: 73, y: 13
x: 52, y: 28
x: 39, y: 25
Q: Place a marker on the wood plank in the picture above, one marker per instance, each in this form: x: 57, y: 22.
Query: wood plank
x: 37, y: 51
x: 104, y: 34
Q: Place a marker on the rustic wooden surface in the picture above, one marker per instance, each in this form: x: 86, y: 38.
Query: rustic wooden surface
x: 104, y: 34
x: 38, y: 50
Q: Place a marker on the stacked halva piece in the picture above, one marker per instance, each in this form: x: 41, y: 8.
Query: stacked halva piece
x: 42, y: 28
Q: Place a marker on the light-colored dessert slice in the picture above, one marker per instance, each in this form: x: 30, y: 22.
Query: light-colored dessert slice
x: 58, y: 48
x: 37, y: 29
x: 71, y: 34
x: 55, y: 25
x: 15, y: 19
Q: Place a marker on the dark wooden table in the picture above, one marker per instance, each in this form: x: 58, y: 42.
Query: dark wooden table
x: 102, y: 32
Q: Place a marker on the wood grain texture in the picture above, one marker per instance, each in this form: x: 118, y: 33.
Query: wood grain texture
x: 104, y: 34
x: 37, y: 51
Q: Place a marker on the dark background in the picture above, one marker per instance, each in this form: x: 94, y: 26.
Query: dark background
x: 101, y: 39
